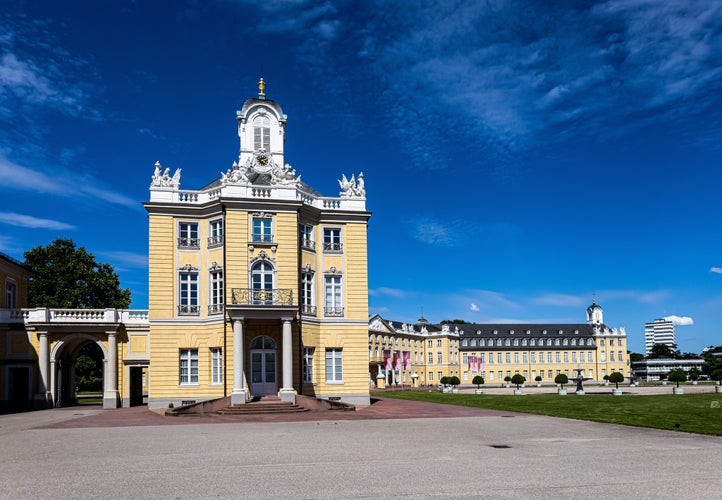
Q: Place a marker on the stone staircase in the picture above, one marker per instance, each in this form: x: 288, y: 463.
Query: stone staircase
x: 264, y: 405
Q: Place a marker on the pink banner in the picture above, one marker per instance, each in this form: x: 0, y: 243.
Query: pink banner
x: 387, y: 360
x: 407, y: 360
x: 397, y: 360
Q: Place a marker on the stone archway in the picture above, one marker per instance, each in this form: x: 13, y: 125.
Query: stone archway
x: 62, y: 363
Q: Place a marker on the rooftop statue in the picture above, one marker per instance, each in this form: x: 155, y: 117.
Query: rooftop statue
x: 164, y: 179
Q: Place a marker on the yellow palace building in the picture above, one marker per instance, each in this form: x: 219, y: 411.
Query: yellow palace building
x: 495, y: 351
x: 258, y: 285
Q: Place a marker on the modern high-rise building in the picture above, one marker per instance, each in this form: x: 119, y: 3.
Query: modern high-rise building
x: 659, y: 331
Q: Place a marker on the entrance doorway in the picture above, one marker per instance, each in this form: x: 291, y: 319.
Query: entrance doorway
x: 264, y: 381
x: 18, y: 388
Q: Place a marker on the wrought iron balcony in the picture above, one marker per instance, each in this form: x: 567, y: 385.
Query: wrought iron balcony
x: 333, y: 312
x: 308, y: 244
x: 215, y: 308
x: 333, y: 247
x: 189, y: 243
x: 262, y: 238
x: 215, y: 241
x: 189, y: 310
x: 308, y: 310
x: 251, y: 297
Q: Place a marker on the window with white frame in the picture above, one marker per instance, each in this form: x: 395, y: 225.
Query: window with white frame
x: 439, y: 357
x: 262, y: 229
x: 566, y: 357
x: 611, y: 355
x: 215, y: 303
x: 261, y: 133
x: 332, y: 297
x: 574, y: 357
x: 619, y: 356
x: 188, y: 293
x: 306, y: 234
x: 549, y: 357
x: 334, y: 365
x: 188, y: 366
x: 431, y: 376
x: 216, y: 365
x: 215, y: 233
x: 525, y: 357
x: 533, y: 357
x: 498, y: 357
x: 332, y: 239
x: 431, y: 357
x: 307, y: 302
x: 508, y: 357
x: 308, y: 364
x: 188, y: 235
x: 262, y: 282
x: 589, y: 357
x: 430, y: 343
x: 465, y: 358
x: 11, y: 294
x: 557, y: 356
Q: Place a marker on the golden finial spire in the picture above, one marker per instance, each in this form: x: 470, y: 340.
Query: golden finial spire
x: 261, y: 89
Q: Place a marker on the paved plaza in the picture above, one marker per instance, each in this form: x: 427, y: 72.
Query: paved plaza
x: 391, y: 449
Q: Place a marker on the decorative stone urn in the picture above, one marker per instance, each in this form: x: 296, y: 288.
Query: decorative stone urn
x: 478, y: 391
x: 677, y: 390
x: 562, y: 392
x: 517, y: 392
x: 616, y: 392
x: 718, y: 388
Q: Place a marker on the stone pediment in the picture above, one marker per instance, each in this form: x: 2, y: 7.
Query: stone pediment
x: 378, y: 325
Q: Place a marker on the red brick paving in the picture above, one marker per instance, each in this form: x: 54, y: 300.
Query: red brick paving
x: 381, y: 408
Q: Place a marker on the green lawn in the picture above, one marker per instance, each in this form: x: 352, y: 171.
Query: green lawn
x: 698, y: 413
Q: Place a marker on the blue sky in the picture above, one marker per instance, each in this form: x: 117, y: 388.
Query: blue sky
x: 519, y: 157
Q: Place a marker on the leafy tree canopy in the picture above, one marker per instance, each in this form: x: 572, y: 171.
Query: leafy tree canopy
x: 635, y: 356
x: 662, y: 351
x: 518, y: 379
x: 711, y: 362
x: 68, y: 277
x: 454, y: 322
x: 561, y: 379
x: 616, y: 377
x: 678, y: 376
x: 478, y: 380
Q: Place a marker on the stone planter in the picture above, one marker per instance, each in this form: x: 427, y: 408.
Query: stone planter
x: 677, y: 390
x: 455, y: 390
x: 616, y: 392
x: 478, y: 391
x: 580, y: 393
x: 517, y: 392
x: 507, y: 385
x: 538, y: 384
x: 446, y: 390
x: 718, y: 388
x: 664, y: 382
x: 694, y: 382
x: 562, y: 392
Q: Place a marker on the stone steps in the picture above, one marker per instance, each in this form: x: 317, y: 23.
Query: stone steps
x: 262, y: 407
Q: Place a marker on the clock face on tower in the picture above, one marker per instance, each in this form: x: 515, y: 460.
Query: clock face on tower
x: 261, y: 162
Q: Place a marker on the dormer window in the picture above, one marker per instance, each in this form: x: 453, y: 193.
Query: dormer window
x: 261, y: 133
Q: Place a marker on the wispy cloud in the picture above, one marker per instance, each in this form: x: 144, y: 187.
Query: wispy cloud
x: 716, y: 270
x: 20, y: 220
x: 473, y: 307
x: 642, y: 297
x: 60, y: 183
x: 513, y: 77
x: 558, y: 299
x: 391, y: 292
x: 126, y: 259
x: 680, y: 320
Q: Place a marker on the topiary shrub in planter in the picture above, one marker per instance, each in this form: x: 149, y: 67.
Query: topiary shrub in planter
x: 561, y: 379
x: 606, y: 379
x: 538, y: 380
x: 677, y: 376
x: 507, y: 380
x: 478, y: 381
x: 445, y: 384
x: 616, y: 378
x: 517, y: 380
x: 694, y: 375
x: 454, y: 382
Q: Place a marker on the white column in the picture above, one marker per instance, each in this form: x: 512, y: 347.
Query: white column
x: 287, y: 392
x: 238, y: 395
x: 110, y: 396
x: 44, y: 395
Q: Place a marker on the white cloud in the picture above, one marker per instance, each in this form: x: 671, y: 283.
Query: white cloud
x: 60, y: 183
x: 474, y: 307
x: 126, y: 259
x: 717, y: 270
x: 680, y: 320
x: 392, y: 292
x: 559, y: 299
x: 20, y: 220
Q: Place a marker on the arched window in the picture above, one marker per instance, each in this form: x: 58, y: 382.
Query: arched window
x: 263, y: 342
x: 262, y: 282
x: 261, y: 133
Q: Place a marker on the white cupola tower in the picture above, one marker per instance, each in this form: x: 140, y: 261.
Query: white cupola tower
x: 595, y: 314
x: 261, y: 128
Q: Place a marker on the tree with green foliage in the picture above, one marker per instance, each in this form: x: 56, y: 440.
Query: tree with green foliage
x: 616, y: 378
x: 454, y: 322
x: 444, y: 381
x: 659, y: 351
x: 518, y: 379
x: 678, y: 376
x: 89, y: 369
x: 478, y: 381
x: 635, y: 356
x: 694, y: 374
x: 715, y: 375
x: 561, y: 379
x: 454, y: 381
x: 712, y: 362
x: 68, y: 277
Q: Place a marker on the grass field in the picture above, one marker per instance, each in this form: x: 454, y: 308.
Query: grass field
x: 698, y: 413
